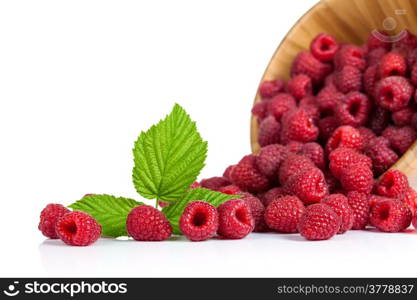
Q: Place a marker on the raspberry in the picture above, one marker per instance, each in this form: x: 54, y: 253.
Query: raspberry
x: 345, y: 136
x: 383, y: 157
x: 375, y: 42
x: 272, y: 195
x: 214, y: 183
x: 294, y: 147
x: 407, y: 42
x: 350, y: 55
x: 360, y: 208
x: 309, y: 185
x: 415, y: 220
x: 163, y: 204
x: 370, y: 78
x: 379, y: 120
x: 297, y: 125
x: 314, y: 152
x: 78, y: 228
x: 199, y: 221
x: 269, y: 132
x: 348, y: 79
x: 374, y: 56
x: 247, y: 176
x: 358, y: 177
x: 327, y: 126
x: 410, y: 199
x: 411, y: 58
x: 231, y: 190
x: 328, y: 98
x: 292, y: 164
x: 49, y: 217
x: 353, y: 110
x: 284, y: 214
x: 324, y: 47
x: 280, y: 104
x: 306, y: 63
x: 235, y: 219
x: 269, y: 159
x: 400, y: 138
x: 403, y: 117
x: 392, y: 64
x: 390, y: 216
x: 339, y: 203
x: 257, y: 209
x: 300, y: 86
x: 367, y: 134
x: 393, y: 93
x: 342, y: 158
x: 269, y: 88
x: 393, y: 184
x: 228, y: 171
x: 319, y: 222
x: 260, y: 110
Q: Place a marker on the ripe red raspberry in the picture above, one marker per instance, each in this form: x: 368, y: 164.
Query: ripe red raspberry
x: 327, y: 126
x: 228, y: 171
x: 300, y: 86
x: 78, y: 228
x: 49, y: 217
x: 214, y: 183
x: 324, y: 47
x: 358, y: 177
x: 308, y: 185
x: 146, y: 223
x: 306, y: 63
x: 407, y: 42
x: 231, y: 190
x: 260, y: 110
x: 367, y: 134
x: 257, y: 209
x: 360, y: 208
x: 293, y: 164
x: 269, y: 131
x: 294, y: 147
x: 328, y: 98
x: 379, y: 120
x: 247, y: 176
x: 375, y: 42
x: 280, y: 104
x: 235, y: 219
x: 163, y: 204
x: 283, y: 214
x: 393, y: 93
x: 390, y: 216
x: 374, y: 56
x: 339, y: 203
x: 269, y: 88
x: 272, y: 195
x: 314, y: 152
x: 393, y: 184
x: 199, y: 221
x: 392, y: 64
x: 403, y: 117
x: 400, y: 138
x: 345, y: 136
x: 410, y: 199
x: 297, y: 125
x: 370, y: 78
x: 269, y: 159
x: 353, y: 110
x: 383, y: 157
x: 342, y: 158
x: 348, y: 79
x: 350, y: 55
x: 319, y: 222
x: 411, y: 58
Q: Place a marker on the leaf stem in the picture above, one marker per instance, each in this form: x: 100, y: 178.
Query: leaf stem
x: 157, y: 203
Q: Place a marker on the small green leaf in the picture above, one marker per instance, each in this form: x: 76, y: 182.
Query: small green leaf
x: 174, y: 211
x: 109, y: 211
x: 168, y: 157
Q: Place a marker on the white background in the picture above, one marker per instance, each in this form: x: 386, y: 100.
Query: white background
x: 80, y: 79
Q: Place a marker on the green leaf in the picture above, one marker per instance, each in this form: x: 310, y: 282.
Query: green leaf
x: 168, y: 157
x: 109, y: 211
x: 174, y: 211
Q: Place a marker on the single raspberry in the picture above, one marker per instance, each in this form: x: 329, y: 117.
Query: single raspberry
x: 300, y: 86
x: 345, y: 136
x: 49, y: 217
x: 393, y: 184
x: 370, y: 78
x: 283, y: 214
x: 314, y: 152
x: 409, y: 41
x: 403, y: 117
x: 306, y: 63
x: 374, y: 56
x: 269, y: 88
x: 214, y: 183
x: 375, y: 42
x: 342, y: 158
x: 199, y: 221
x: 328, y: 98
x: 333, y: 183
x: 163, y: 204
x: 294, y: 147
x: 400, y: 138
x: 272, y: 195
x: 350, y: 55
x: 353, y: 110
x: 410, y: 199
x: 392, y: 64
x: 360, y: 208
x: 379, y: 120
x: 269, y: 159
x: 324, y: 47
x: 78, y: 228
x: 260, y: 110
x: 235, y: 219
x: 411, y: 58
x: 390, y: 216
x: 367, y: 134
x: 257, y: 209
x: 339, y: 203
x: 269, y: 131
x: 228, y: 171
x: 297, y: 125
x: 231, y: 190
x: 393, y: 93
x: 327, y: 126
x: 308, y: 185
x: 348, y: 79
x: 293, y: 164
x: 319, y: 222
x: 358, y: 177
x: 280, y: 104
x: 247, y: 176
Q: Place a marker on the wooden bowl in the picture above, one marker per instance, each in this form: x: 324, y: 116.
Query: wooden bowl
x: 349, y: 21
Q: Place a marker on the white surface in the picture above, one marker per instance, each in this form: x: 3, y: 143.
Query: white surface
x: 80, y: 79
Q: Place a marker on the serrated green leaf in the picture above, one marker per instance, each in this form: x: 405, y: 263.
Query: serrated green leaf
x: 109, y: 211
x: 174, y: 211
x: 168, y: 157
